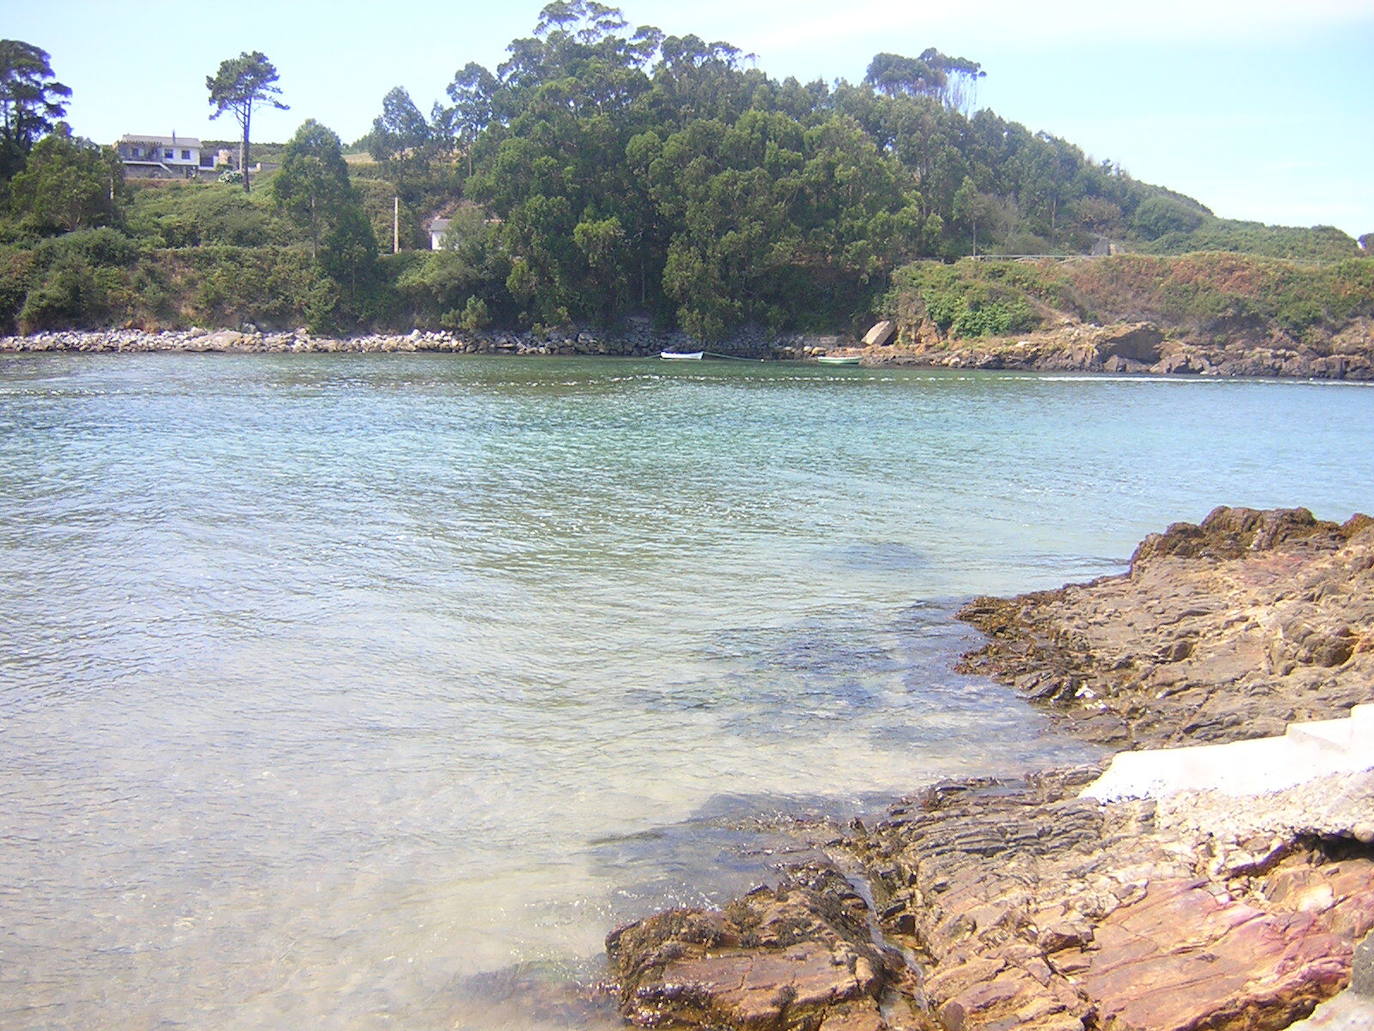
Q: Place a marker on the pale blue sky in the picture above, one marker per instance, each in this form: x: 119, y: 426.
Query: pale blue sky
x: 1261, y: 109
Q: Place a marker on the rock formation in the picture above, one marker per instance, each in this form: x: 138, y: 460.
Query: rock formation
x: 778, y: 957
x: 1138, y: 347
x: 1222, y: 631
x: 992, y: 904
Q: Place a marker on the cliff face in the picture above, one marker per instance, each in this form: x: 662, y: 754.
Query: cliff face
x: 1027, y: 904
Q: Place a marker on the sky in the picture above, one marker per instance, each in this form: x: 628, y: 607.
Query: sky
x: 1260, y: 109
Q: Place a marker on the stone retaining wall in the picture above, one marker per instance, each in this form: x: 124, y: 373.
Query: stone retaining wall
x: 637, y: 339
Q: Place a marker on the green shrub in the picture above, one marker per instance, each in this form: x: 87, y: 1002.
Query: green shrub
x: 63, y: 298
x: 17, y: 273
x: 987, y: 298
x: 1208, y: 293
x: 201, y: 214
x: 1318, y: 243
x: 472, y: 317
x: 96, y: 247
x: 1161, y: 214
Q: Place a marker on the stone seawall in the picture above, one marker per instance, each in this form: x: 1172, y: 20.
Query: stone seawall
x: 634, y: 340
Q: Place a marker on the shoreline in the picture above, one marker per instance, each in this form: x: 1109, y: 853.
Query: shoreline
x: 1035, y: 903
x: 1136, y: 349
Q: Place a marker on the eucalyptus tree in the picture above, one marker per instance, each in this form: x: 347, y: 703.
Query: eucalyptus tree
x: 896, y: 75
x: 407, y: 146
x: 959, y: 87
x: 400, y: 130
x: 312, y: 189
x: 31, y: 102
x: 242, y: 85
x: 951, y: 80
x: 471, y: 92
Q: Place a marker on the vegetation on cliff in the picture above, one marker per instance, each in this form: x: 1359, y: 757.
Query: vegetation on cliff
x: 1203, y: 295
x: 603, y: 171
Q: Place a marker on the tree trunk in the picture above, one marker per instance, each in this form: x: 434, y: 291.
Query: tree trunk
x: 243, y: 149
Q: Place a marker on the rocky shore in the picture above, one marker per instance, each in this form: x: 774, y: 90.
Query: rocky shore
x: 251, y: 340
x: 1030, y: 904
x: 1132, y: 348
x: 637, y: 339
x: 1226, y: 630
x: 1139, y: 347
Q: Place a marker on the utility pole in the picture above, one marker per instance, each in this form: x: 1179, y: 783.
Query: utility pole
x: 396, y: 225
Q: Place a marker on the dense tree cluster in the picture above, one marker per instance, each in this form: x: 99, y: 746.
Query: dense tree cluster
x: 313, y: 190
x: 600, y: 171
x: 629, y: 171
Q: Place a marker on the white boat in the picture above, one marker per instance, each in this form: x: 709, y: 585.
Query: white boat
x: 682, y: 356
x: 839, y: 359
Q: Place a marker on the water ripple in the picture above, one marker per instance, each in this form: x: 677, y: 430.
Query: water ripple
x: 343, y: 690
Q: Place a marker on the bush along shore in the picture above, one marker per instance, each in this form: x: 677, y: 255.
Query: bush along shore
x: 1229, y: 895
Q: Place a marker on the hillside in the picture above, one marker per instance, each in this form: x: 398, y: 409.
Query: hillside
x: 604, y: 172
x: 1214, y: 313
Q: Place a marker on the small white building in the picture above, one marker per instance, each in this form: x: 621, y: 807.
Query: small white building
x: 438, y: 229
x: 163, y: 156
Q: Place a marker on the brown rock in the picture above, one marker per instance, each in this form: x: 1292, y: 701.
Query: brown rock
x: 798, y: 956
x: 1219, y: 631
x: 1138, y: 343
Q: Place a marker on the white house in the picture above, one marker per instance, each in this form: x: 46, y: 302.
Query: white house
x: 462, y: 219
x: 160, y: 156
x: 438, y: 227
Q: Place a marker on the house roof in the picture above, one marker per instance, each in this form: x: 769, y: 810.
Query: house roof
x: 161, y: 141
x: 439, y: 225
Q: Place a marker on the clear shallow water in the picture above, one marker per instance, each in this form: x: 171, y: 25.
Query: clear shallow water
x: 333, y: 688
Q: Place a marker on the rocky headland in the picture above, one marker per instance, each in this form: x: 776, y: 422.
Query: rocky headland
x: 1136, y: 347
x: 1212, y: 314
x: 1035, y: 903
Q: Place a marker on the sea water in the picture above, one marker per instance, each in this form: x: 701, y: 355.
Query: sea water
x: 351, y: 692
